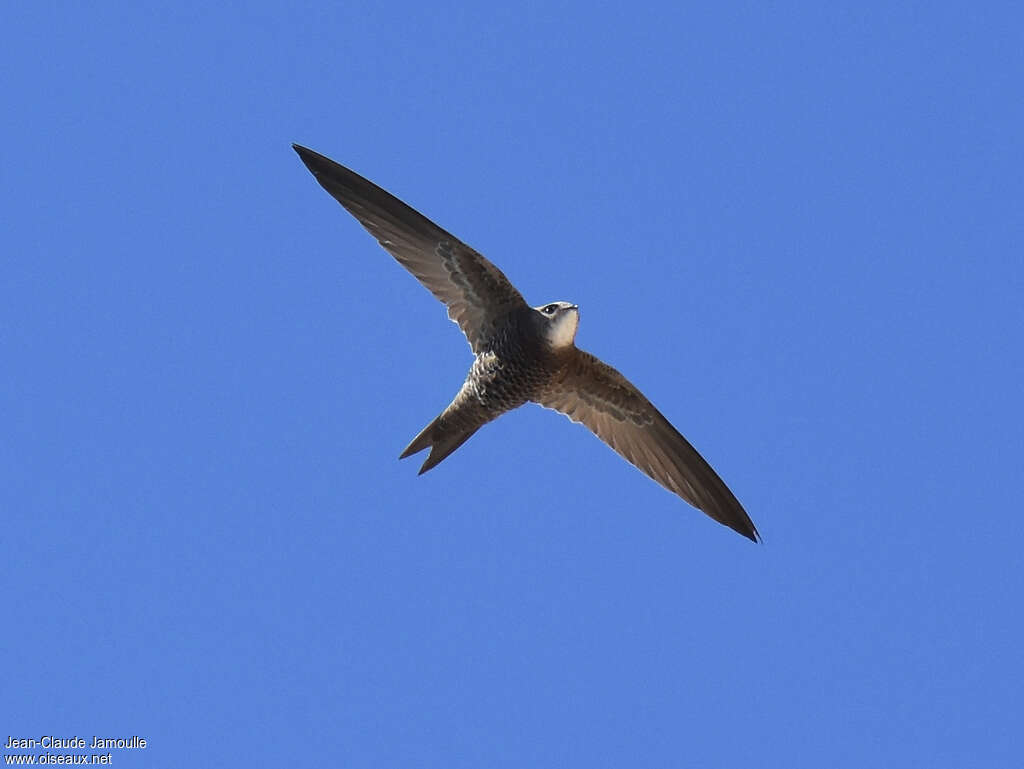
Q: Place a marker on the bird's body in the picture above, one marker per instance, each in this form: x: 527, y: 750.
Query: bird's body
x: 523, y: 353
x: 513, y: 366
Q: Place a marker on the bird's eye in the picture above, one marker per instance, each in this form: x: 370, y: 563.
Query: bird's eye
x: 550, y: 309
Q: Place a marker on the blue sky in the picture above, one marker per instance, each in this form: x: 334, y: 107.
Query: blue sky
x: 798, y: 228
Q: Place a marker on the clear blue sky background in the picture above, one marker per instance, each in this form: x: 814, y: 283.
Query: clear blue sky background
x: 798, y: 227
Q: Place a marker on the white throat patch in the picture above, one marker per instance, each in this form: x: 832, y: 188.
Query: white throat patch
x: 562, y: 329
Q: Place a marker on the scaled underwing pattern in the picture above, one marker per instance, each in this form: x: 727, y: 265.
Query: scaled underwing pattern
x: 523, y: 353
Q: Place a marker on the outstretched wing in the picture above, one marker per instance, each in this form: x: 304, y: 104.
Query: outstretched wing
x: 476, y: 292
x: 596, y: 395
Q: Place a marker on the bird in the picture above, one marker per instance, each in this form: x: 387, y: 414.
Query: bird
x: 523, y: 353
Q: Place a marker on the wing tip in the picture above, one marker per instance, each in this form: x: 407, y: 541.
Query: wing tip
x: 313, y: 160
x: 753, y: 535
x: 736, y: 519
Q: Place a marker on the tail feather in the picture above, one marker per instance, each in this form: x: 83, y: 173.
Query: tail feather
x: 442, y: 437
x: 420, y: 442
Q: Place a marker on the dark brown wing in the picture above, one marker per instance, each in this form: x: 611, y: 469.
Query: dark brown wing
x: 476, y: 292
x: 598, y: 396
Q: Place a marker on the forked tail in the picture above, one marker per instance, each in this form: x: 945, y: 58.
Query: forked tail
x: 451, y: 429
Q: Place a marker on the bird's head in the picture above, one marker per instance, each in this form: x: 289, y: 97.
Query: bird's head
x: 559, y: 322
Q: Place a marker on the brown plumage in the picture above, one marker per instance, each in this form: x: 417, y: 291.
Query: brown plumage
x: 523, y: 353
